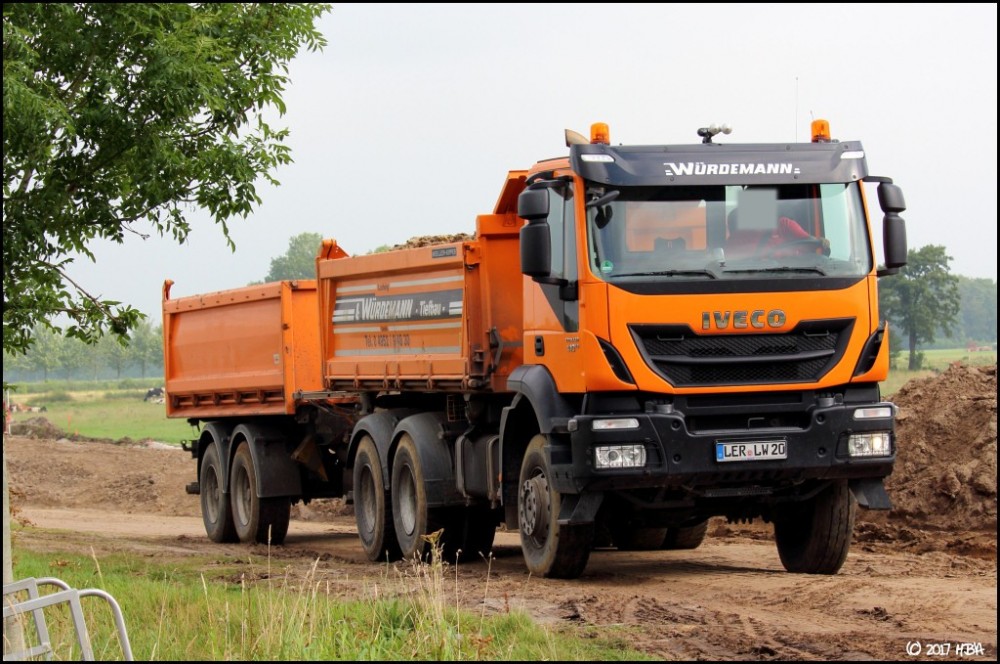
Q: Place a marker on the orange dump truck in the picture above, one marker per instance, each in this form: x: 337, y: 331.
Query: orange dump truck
x: 637, y: 338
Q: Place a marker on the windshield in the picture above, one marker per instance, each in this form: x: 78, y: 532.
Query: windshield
x: 728, y: 232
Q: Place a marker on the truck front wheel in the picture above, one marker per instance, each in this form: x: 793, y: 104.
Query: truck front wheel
x: 372, y: 509
x: 215, y: 509
x: 263, y: 520
x: 550, y: 549
x: 814, y: 537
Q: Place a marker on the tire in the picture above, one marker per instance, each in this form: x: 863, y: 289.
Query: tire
x: 639, y: 539
x: 686, y: 537
x: 475, y: 528
x: 814, y: 538
x: 261, y: 520
x: 215, y: 509
x: 550, y: 549
x: 372, y: 509
x: 414, y: 522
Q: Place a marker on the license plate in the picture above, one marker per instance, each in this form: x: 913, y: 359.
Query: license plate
x: 754, y: 450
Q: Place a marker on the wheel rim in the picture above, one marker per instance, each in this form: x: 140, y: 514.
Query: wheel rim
x: 534, y: 509
x: 241, y: 491
x: 366, y: 509
x: 407, y: 492
x: 213, y: 491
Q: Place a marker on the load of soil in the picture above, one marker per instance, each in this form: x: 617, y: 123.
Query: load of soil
x: 428, y: 240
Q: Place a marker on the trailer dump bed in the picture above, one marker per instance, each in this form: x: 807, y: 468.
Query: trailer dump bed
x: 245, y: 351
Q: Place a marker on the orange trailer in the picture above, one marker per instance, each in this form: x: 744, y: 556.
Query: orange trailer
x: 635, y: 340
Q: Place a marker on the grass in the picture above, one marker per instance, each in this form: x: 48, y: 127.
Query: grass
x: 113, y: 414
x: 197, y: 608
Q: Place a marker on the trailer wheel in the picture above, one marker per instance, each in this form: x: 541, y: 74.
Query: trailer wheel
x: 686, y: 537
x: 372, y: 508
x: 215, y: 509
x: 550, y: 549
x: 263, y: 520
x: 412, y: 519
x: 814, y: 537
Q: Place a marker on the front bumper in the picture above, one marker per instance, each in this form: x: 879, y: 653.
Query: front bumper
x: 679, y: 458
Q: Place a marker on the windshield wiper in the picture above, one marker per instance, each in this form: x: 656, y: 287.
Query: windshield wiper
x: 671, y: 273
x: 781, y: 268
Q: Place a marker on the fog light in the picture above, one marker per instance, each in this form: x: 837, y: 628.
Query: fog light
x: 869, y: 444
x: 620, y: 456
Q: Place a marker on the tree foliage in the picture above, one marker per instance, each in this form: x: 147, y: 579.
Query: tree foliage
x: 122, y: 119
x: 923, y: 299
x: 979, y: 309
x: 299, y: 262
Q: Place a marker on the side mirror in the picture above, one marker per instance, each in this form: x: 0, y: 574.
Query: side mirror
x: 533, y: 204
x: 536, y: 246
x: 890, y: 198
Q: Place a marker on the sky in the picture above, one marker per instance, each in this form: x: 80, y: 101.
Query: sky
x: 408, y: 121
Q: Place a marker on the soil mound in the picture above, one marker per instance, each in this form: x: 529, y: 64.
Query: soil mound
x: 428, y: 240
x: 946, y: 467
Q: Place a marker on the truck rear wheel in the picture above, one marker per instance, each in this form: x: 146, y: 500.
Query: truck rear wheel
x: 639, y: 539
x: 814, y: 537
x: 372, y: 508
x: 412, y: 518
x: 686, y: 537
x: 263, y: 520
x: 475, y: 528
x: 215, y: 509
x: 549, y: 549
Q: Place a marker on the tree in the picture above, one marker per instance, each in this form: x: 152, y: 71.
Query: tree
x: 979, y: 309
x: 299, y: 262
x: 147, y: 346
x: 922, y: 299
x: 121, y: 119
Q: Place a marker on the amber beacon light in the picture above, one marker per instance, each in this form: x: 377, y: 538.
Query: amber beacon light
x: 599, y: 133
x: 820, y: 131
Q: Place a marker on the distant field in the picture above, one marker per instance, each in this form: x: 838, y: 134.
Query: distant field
x: 115, y: 413
x: 111, y: 414
x: 935, y: 361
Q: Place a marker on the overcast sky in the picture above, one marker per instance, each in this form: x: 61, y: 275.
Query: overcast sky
x: 408, y: 121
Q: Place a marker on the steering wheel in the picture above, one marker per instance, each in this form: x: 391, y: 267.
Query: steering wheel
x: 805, y: 242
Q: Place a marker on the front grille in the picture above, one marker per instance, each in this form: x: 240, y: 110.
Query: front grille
x: 686, y: 359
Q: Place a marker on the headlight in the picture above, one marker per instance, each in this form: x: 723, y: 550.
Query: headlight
x: 620, y: 456
x: 876, y: 443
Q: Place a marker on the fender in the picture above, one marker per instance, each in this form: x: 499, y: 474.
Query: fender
x: 534, y: 383
x: 218, y: 433
x: 380, y: 426
x: 426, y: 430
x: 271, y: 451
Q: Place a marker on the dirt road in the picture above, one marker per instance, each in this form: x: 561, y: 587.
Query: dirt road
x: 904, y: 593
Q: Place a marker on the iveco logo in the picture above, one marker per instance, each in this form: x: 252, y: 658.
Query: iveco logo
x: 758, y: 318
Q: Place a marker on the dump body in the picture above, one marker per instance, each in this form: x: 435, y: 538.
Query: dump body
x: 441, y: 317
x: 241, y: 352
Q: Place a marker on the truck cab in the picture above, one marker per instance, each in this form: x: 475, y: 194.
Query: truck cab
x: 702, y: 338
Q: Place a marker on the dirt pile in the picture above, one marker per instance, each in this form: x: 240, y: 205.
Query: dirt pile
x: 428, y: 240
x: 946, y: 468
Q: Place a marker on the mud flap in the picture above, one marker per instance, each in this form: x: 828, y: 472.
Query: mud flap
x: 870, y: 494
x: 580, y: 509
